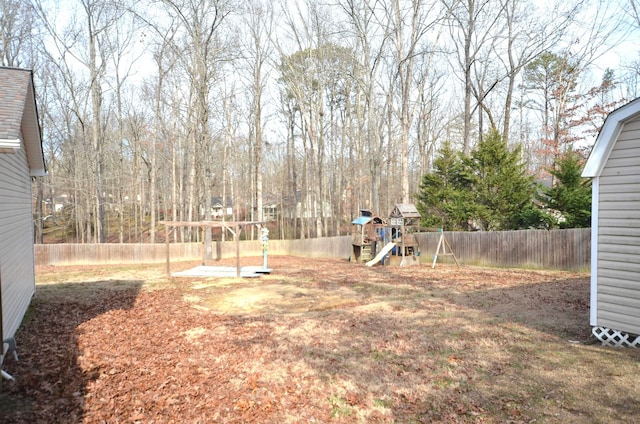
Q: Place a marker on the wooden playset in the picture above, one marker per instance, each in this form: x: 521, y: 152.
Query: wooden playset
x: 393, y: 241
x: 367, y: 234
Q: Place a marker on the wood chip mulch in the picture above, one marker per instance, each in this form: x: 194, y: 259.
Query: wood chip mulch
x: 146, y: 356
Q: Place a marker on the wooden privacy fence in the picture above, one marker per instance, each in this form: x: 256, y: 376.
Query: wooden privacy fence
x: 112, y: 253
x: 556, y: 249
x: 124, y: 253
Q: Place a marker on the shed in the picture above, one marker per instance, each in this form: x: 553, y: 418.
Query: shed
x: 21, y: 158
x: 614, y: 165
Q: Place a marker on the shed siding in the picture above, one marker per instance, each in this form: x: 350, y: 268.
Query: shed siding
x: 16, y: 243
x: 618, y: 292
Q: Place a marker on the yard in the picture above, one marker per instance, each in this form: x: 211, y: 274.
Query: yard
x: 318, y: 340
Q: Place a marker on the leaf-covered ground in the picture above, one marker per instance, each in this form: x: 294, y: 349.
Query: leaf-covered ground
x: 318, y: 340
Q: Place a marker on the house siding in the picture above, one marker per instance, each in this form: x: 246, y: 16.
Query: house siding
x: 618, y: 268
x: 16, y: 244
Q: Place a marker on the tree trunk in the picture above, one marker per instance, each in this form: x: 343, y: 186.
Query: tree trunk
x: 96, y: 102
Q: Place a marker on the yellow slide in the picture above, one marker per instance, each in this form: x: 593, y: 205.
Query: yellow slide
x: 381, y: 254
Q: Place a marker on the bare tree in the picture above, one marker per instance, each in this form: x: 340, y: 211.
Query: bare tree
x: 100, y: 17
x: 411, y: 22
x: 119, y: 42
x: 634, y: 11
x: 18, y: 27
x: 365, y: 99
x: 471, y: 28
x: 305, y: 79
x: 199, y: 50
x: 371, y: 38
x: 165, y: 60
x: 432, y: 120
x: 259, y: 21
x: 528, y: 32
x: 84, y: 42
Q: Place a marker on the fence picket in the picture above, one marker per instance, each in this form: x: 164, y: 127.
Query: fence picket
x: 555, y: 249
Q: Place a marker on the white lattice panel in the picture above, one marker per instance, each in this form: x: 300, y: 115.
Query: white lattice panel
x: 615, y: 338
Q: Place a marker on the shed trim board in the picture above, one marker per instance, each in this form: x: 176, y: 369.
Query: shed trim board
x: 595, y: 196
x: 608, y: 136
x: 614, y: 166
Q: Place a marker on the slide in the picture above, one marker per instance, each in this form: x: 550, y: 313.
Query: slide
x: 381, y: 254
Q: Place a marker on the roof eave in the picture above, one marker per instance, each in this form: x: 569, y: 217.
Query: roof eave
x: 607, y: 137
x: 37, y: 165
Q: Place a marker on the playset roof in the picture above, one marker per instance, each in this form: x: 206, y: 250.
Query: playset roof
x: 361, y: 220
x: 405, y: 210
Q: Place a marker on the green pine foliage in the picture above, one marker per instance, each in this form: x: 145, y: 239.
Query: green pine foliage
x: 570, y: 195
x: 535, y: 216
x: 488, y: 190
x: 442, y: 200
x: 501, y: 187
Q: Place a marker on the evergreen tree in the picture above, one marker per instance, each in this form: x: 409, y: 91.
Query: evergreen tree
x: 501, y: 188
x: 489, y: 190
x: 442, y: 199
x: 570, y: 195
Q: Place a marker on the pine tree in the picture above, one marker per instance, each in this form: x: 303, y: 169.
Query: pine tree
x: 489, y: 190
x: 571, y: 194
x: 442, y: 200
x: 500, y: 186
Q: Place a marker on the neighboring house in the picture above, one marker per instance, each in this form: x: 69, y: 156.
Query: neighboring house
x: 219, y: 208
x: 269, y: 208
x: 614, y: 165
x: 60, y: 201
x: 290, y: 207
x: 21, y: 158
x: 276, y: 206
x: 55, y: 204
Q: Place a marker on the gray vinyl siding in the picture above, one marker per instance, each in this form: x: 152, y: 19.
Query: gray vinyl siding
x: 16, y: 241
x: 619, y: 234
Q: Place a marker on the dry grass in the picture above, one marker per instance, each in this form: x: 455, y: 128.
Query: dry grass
x: 326, y: 341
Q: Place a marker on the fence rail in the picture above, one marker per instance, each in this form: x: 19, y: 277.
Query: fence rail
x: 555, y: 249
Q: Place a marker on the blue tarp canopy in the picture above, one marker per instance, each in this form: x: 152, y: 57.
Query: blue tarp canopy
x: 361, y: 220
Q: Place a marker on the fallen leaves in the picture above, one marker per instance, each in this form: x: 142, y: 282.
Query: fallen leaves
x: 385, y: 345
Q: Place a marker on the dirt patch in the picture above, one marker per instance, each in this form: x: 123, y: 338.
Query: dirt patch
x: 316, y: 341
x: 276, y: 298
